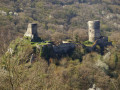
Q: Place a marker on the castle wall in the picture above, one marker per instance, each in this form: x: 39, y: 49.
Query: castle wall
x: 94, y: 30
x: 63, y: 48
x: 102, y: 42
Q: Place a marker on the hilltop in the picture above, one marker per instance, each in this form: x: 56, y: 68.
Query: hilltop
x: 56, y: 17
x: 50, y: 45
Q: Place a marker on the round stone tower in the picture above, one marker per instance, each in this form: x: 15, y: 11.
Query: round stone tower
x: 94, y: 30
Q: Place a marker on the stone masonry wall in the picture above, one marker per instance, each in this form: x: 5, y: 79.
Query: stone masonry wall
x: 94, y: 30
x: 31, y: 30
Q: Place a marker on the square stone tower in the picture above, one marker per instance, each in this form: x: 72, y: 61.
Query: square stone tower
x: 31, y: 31
x: 94, y: 30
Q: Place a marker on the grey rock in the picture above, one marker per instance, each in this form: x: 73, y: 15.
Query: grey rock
x: 10, y: 50
x: 102, y: 65
x: 94, y: 88
x: 107, y: 56
x: 15, y: 14
x: 10, y: 13
x: 32, y: 58
x: 3, y: 13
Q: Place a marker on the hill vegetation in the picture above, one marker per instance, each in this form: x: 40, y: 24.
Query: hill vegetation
x: 58, y: 20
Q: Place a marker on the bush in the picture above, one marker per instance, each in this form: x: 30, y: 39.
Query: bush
x: 88, y: 43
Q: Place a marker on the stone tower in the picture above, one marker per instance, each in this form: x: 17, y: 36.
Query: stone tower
x: 94, y: 30
x: 31, y: 31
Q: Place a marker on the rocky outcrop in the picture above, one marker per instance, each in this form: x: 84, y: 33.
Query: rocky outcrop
x: 94, y: 88
x: 102, y: 65
x: 107, y: 56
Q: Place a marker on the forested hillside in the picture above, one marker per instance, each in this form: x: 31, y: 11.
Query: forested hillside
x: 59, y: 20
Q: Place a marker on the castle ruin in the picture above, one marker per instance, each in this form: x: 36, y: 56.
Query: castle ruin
x: 96, y: 37
x: 94, y: 30
x: 65, y: 47
x: 31, y: 31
